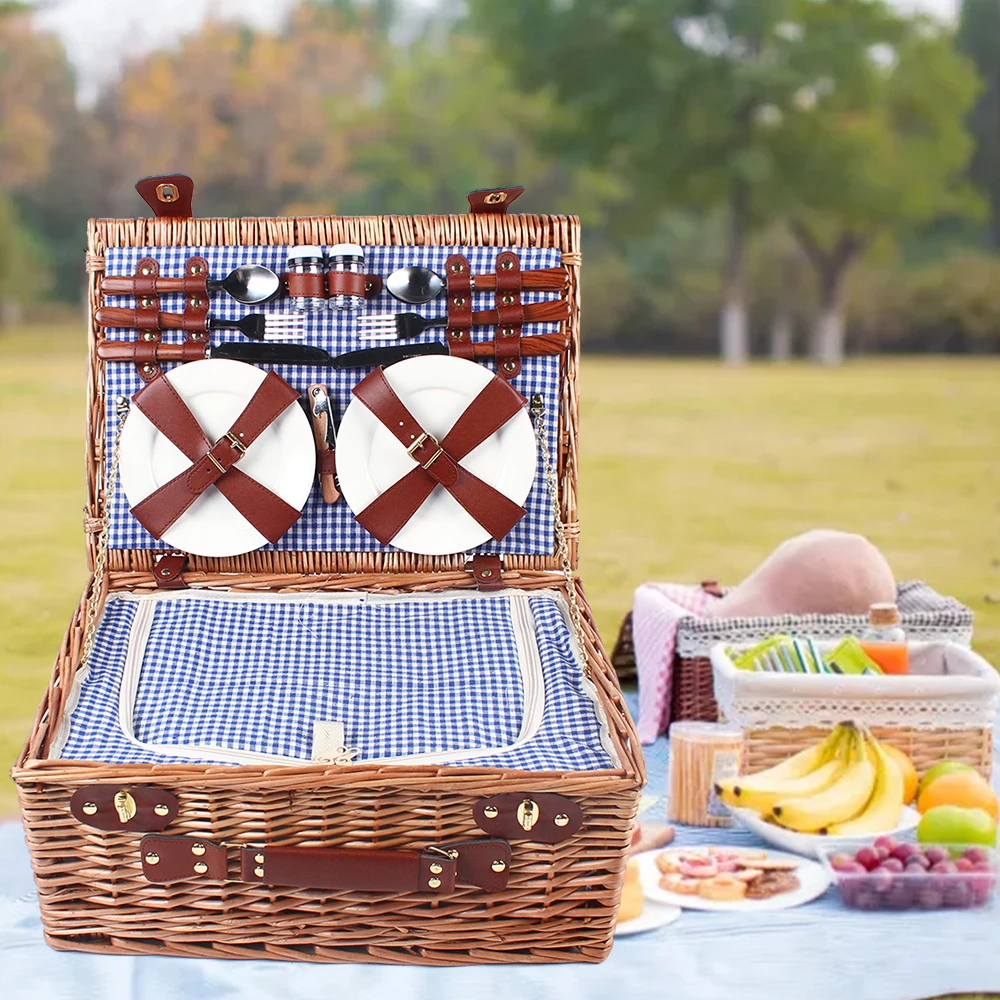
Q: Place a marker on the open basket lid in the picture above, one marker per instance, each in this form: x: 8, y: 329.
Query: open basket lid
x: 327, y: 538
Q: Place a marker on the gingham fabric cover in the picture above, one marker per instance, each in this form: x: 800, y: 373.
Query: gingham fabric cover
x: 256, y: 675
x: 331, y: 527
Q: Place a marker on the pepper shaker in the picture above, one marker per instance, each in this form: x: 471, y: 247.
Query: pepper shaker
x: 346, y: 293
x: 307, y: 278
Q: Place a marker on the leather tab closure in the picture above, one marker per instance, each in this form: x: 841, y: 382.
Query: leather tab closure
x: 510, y: 315
x: 482, y: 863
x: 170, y: 859
x: 195, y: 323
x: 130, y: 808
x: 147, y: 312
x: 487, y: 571
x: 493, y: 201
x: 168, y: 569
x: 538, y: 816
x: 168, y: 195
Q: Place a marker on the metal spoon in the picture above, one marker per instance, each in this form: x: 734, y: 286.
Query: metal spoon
x: 250, y: 284
x: 415, y: 285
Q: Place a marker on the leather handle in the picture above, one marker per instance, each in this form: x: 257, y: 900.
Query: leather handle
x: 128, y: 319
x: 541, y: 343
x: 539, y: 279
x: 349, y: 868
x: 136, y: 350
x: 553, y: 311
x: 126, y: 285
x: 168, y: 195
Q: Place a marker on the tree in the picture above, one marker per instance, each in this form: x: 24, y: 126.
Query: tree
x: 979, y: 38
x: 883, y: 148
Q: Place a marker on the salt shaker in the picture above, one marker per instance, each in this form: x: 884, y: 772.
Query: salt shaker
x: 346, y: 293
x: 307, y: 292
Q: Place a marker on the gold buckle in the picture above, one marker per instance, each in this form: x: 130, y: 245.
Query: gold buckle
x: 419, y: 443
x: 236, y: 443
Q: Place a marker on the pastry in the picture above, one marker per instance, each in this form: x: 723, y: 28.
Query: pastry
x: 722, y: 887
x: 681, y: 885
x: 698, y: 867
x: 631, y: 902
x: 668, y: 861
x: 772, y: 883
x: 748, y: 874
x: 776, y: 864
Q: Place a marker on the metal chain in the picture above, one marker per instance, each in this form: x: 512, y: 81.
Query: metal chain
x: 562, y: 546
x: 101, y: 558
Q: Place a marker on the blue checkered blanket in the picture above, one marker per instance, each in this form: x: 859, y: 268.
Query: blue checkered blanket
x: 331, y: 527
x: 455, y: 678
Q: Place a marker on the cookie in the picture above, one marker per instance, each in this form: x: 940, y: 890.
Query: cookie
x: 740, y: 853
x: 776, y: 864
x: 722, y: 887
x: 668, y: 862
x: 699, y: 868
x: 748, y: 874
x: 772, y: 883
x: 681, y: 885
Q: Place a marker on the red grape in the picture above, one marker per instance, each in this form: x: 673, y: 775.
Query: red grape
x: 977, y: 854
x: 963, y: 864
x: 936, y: 854
x: 905, y: 851
x: 886, y: 843
x: 891, y: 865
x: 944, y: 868
x: 867, y: 857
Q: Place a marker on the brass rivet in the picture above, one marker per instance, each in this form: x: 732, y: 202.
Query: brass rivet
x: 458, y: 334
x: 146, y: 271
x: 436, y: 869
x: 458, y: 267
x: 152, y: 859
x: 259, y: 872
x: 495, y: 197
x: 561, y: 820
x: 434, y: 883
x: 167, y: 192
x: 458, y: 302
x: 368, y: 286
x: 196, y: 303
x: 491, y: 812
x: 507, y: 300
x: 146, y: 303
x: 147, y: 369
x: 89, y: 808
x: 164, y: 572
x: 509, y: 366
x: 161, y: 809
x: 498, y: 866
x: 200, y: 868
x: 486, y: 573
x: 506, y: 263
x: 198, y: 849
x: 507, y: 332
x: 149, y: 336
x: 196, y: 269
x: 259, y: 858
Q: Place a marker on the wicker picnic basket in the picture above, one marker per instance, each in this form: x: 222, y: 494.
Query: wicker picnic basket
x: 558, y: 889
x: 926, y: 615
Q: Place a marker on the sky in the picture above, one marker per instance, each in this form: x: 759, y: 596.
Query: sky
x: 98, y: 33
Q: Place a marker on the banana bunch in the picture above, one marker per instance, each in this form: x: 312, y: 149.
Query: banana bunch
x: 846, y: 785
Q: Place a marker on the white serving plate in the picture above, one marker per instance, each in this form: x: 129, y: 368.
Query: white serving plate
x: 653, y: 916
x: 809, y: 844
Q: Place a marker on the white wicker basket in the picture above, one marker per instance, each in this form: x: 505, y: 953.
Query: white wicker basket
x: 948, y: 687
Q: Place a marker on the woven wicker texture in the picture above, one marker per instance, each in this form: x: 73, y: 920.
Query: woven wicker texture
x: 561, y: 900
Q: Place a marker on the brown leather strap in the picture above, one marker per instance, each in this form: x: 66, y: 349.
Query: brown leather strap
x: 147, y: 310
x: 214, y: 464
x: 487, y: 571
x: 493, y: 201
x: 436, y: 869
x: 123, y: 808
x: 437, y: 463
x: 346, y: 283
x: 510, y: 314
x: 196, y: 300
x: 310, y: 286
x: 457, y: 335
x: 168, y: 569
x: 168, y: 195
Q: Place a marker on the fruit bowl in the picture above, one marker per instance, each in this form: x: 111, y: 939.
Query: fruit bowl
x: 811, y: 845
x: 913, y: 876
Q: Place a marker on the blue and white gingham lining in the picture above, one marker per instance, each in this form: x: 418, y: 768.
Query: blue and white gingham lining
x: 331, y: 527
x: 453, y: 675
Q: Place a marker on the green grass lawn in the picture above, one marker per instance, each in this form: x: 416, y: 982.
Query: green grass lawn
x: 689, y: 471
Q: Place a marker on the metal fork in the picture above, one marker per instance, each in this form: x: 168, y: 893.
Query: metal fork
x: 277, y: 326
x: 396, y: 326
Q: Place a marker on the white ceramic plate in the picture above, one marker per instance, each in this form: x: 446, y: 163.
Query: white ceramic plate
x: 653, y: 915
x: 813, y: 881
x: 436, y: 390
x: 283, y: 458
x: 808, y: 844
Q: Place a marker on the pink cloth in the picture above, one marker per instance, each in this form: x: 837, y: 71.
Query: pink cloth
x: 656, y: 610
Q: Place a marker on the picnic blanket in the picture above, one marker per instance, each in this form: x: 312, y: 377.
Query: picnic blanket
x: 820, y: 951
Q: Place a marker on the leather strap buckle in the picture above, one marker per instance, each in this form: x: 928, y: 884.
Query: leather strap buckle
x: 235, y: 442
x: 419, y: 443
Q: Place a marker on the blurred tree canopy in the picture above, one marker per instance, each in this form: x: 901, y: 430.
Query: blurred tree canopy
x: 731, y: 159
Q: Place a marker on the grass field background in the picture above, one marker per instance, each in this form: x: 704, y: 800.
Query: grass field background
x: 689, y: 471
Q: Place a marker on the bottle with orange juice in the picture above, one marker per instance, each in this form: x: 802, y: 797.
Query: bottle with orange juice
x: 885, y: 641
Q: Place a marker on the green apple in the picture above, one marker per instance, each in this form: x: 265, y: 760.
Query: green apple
x: 936, y: 770
x: 957, y: 825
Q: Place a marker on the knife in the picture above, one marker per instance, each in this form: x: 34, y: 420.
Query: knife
x: 273, y: 353
x: 325, y: 432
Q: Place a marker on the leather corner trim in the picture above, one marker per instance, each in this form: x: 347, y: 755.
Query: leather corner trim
x: 493, y: 201
x: 129, y: 808
x: 168, y: 195
x: 539, y: 816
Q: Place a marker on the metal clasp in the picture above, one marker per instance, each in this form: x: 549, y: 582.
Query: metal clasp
x: 419, y: 443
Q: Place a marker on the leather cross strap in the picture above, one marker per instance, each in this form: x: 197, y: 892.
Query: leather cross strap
x: 436, y: 869
x: 437, y: 463
x: 214, y: 465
